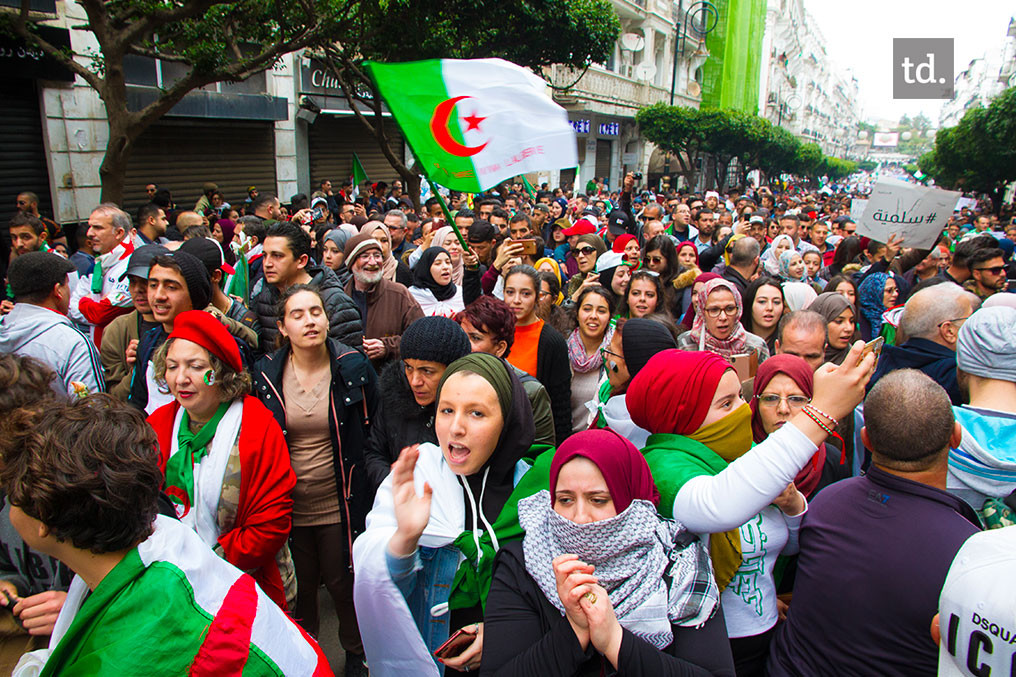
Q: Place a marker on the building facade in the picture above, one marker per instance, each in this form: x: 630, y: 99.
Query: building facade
x: 286, y: 129
x: 657, y: 59
x: 982, y: 80
x: 801, y: 89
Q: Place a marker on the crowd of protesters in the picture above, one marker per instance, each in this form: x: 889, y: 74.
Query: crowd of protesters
x: 526, y: 432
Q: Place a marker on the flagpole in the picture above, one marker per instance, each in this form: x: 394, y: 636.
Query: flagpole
x: 451, y: 221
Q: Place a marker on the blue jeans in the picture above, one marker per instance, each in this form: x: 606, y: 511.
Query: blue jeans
x: 425, y: 580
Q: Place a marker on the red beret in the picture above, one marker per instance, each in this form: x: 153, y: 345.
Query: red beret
x: 204, y: 329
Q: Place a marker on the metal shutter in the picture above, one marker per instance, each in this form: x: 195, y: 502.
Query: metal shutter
x: 23, y: 158
x: 603, y: 149
x: 182, y: 154
x: 334, y: 138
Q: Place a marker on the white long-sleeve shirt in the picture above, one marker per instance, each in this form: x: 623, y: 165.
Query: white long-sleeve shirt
x: 741, y: 496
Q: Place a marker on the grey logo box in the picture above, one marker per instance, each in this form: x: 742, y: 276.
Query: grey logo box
x: 923, y: 68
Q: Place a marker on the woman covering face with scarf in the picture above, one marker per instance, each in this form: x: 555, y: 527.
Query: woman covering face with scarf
x: 712, y: 480
x: 423, y: 565
x: 600, y: 576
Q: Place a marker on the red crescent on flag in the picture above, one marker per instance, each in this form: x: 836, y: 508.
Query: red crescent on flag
x: 439, y: 128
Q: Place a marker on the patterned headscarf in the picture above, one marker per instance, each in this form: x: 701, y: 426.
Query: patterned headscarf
x: 870, y: 295
x: 733, y: 344
x: 648, y: 590
x: 785, y: 260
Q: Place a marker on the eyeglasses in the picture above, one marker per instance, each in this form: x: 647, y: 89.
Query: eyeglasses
x: 956, y: 321
x: 583, y: 251
x: 729, y: 311
x: 655, y: 259
x: 994, y: 270
x: 793, y: 401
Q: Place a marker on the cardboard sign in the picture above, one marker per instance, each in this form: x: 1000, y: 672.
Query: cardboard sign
x: 916, y: 213
x: 857, y: 206
x: 965, y: 202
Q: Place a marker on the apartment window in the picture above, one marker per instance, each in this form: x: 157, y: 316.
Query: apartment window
x: 148, y: 72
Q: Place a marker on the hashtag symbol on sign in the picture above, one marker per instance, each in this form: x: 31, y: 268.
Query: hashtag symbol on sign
x: 931, y: 216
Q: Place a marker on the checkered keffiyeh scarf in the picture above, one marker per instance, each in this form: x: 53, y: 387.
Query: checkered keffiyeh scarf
x: 655, y: 572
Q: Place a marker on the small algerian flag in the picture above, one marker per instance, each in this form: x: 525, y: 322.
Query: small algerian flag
x: 529, y: 187
x: 474, y: 123
x: 359, y: 175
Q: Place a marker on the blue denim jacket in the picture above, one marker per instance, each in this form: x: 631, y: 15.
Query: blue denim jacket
x: 425, y: 580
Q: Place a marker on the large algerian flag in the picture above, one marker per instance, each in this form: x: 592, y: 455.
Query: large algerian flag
x: 474, y: 123
x: 173, y: 607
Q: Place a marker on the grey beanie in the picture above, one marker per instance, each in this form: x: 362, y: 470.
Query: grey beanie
x: 987, y: 344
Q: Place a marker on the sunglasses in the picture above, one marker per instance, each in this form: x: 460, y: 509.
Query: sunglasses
x: 583, y: 251
x: 994, y: 270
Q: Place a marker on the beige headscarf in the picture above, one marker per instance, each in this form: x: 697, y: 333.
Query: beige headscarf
x: 442, y: 237
x: 390, y: 266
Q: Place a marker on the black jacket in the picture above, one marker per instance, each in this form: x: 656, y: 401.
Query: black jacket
x: 353, y: 407
x: 343, y: 317
x: 400, y: 422
x: 554, y: 371
x: 526, y: 635
x: 934, y: 359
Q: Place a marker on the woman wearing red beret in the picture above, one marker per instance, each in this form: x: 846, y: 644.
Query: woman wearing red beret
x: 224, y: 457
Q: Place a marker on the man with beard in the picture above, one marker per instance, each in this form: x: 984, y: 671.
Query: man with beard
x: 386, y: 308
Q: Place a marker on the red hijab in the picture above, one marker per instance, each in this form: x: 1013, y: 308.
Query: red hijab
x: 800, y: 373
x: 624, y: 469
x: 673, y: 392
x: 621, y: 242
x: 689, y: 317
x: 689, y: 244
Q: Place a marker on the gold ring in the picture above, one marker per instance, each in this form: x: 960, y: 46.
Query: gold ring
x: 591, y: 596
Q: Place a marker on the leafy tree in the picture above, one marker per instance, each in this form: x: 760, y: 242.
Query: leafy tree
x: 808, y: 159
x: 979, y: 153
x: 675, y: 130
x: 214, y: 40
x: 533, y: 34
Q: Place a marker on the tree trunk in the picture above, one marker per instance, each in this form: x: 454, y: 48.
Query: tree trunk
x: 412, y: 182
x: 113, y: 170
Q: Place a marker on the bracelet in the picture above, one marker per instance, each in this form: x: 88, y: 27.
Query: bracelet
x: 829, y: 431
x: 818, y: 422
x: 834, y: 422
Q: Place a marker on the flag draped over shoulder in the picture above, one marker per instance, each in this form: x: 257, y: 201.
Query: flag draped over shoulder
x: 474, y: 123
x: 172, y: 607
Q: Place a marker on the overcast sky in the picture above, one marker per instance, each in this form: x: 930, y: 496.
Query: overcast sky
x: 859, y: 35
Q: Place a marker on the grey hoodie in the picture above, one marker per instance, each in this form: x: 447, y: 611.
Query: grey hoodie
x: 52, y: 338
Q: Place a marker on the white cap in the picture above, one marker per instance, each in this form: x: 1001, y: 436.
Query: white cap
x: 977, y: 610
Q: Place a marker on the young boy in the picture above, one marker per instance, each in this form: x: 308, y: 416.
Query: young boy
x: 149, y: 597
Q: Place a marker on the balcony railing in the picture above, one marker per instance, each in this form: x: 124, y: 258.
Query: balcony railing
x: 598, y: 84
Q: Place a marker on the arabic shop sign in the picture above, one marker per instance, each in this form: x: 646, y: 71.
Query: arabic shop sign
x: 916, y: 213
x: 28, y: 61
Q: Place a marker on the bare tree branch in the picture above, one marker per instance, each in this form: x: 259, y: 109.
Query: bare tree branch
x: 153, y: 54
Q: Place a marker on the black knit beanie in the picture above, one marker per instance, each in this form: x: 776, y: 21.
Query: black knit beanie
x: 641, y: 339
x: 195, y: 274
x: 435, y: 339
